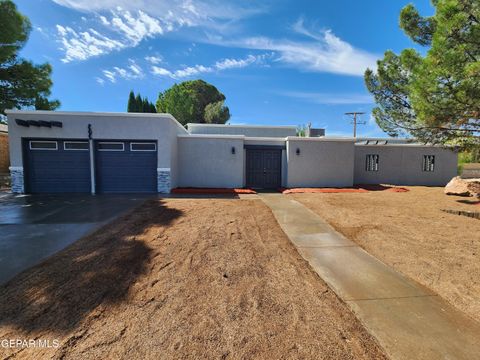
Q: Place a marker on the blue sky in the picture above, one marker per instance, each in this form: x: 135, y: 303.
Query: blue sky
x: 278, y: 62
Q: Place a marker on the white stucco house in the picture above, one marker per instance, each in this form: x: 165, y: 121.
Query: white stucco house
x: 131, y: 152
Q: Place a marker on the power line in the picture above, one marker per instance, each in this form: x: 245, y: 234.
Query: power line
x: 355, y: 122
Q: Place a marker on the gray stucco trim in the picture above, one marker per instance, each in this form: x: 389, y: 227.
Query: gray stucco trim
x: 164, y: 180
x: 17, y: 179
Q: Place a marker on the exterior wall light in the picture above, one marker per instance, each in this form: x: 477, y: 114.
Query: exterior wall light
x: 233, y: 150
x: 298, y: 151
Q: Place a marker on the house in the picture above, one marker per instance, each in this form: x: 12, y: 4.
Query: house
x: 4, y: 157
x: 134, y: 152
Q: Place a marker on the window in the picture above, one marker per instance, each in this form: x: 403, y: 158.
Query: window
x: 372, y: 162
x: 110, y: 146
x: 143, y: 146
x: 428, y: 163
x: 43, y: 145
x: 76, y: 145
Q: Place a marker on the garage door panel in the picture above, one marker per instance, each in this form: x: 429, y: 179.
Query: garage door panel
x: 56, y: 170
x: 124, y: 171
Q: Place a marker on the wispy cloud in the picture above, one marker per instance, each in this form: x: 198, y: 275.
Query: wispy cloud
x: 154, y: 59
x: 321, y: 51
x: 131, y: 72
x: 220, y: 65
x: 115, y: 25
x: 329, y: 98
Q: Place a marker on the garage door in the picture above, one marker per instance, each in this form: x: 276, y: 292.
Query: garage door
x: 57, y: 166
x: 264, y: 168
x: 126, y: 166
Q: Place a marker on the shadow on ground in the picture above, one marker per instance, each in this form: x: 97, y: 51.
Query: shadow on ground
x: 99, y: 269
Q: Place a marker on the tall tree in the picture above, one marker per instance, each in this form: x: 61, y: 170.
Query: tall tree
x: 139, y: 104
x: 131, y: 105
x: 22, y: 83
x: 436, y: 97
x: 188, y: 102
x: 216, y: 113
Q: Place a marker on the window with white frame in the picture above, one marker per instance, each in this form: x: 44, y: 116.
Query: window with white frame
x: 76, y: 145
x: 428, y: 163
x: 372, y: 162
x: 111, y: 146
x: 43, y: 145
x: 144, y: 146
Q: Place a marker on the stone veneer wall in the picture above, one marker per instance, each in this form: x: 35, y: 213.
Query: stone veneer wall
x: 16, y: 174
x: 163, y: 180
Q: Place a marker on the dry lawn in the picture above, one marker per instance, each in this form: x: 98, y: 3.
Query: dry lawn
x: 183, y: 279
x: 409, y: 232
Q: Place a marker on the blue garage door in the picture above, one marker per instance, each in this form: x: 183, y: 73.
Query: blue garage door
x: 57, y: 166
x: 126, y: 166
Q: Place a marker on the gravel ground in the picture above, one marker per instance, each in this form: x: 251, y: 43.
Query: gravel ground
x: 183, y: 279
x: 409, y: 232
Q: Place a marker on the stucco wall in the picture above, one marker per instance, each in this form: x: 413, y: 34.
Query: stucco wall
x: 257, y: 131
x: 321, y: 163
x: 402, y: 165
x: 111, y: 126
x: 209, y: 162
x: 4, y: 156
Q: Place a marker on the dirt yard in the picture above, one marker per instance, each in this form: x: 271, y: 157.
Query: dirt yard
x: 409, y: 232
x: 184, y: 279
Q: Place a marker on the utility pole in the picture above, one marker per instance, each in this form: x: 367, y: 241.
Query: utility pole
x: 355, y: 122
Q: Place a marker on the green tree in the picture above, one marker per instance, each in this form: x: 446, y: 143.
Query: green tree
x: 435, y: 97
x: 131, y: 105
x: 188, y: 101
x: 139, y: 104
x: 22, y: 83
x: 216, y: 113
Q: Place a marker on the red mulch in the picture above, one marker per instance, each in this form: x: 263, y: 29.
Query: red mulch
x: 356, y: 189
x: 212, y: 191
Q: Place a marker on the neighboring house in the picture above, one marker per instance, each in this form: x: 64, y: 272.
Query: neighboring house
x: 4, y: 156
x: 132, y: 152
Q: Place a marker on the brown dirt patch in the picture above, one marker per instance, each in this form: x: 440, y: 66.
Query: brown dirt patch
x: 410, y: 232
x: 182, y: 279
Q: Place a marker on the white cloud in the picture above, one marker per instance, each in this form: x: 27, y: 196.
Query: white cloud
x: 322, y: 51
x: 83, y: 45
x: 100, y: 80
x: 154, y: 59
x: 220, y: 65
x: 329, y: 98
x: 126, y: 23
x: 132, y: 72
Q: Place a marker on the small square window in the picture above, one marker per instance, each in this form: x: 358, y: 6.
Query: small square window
x: 428, y: 163
x: 143, y: 146
x: 43, y: 145
x: 75, y: 145
x: 110, y: 146
x: 372, y: 162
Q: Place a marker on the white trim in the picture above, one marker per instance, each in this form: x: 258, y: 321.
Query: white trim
x: 111, y: 142
x: 89, y: 113
x: 15, y: 168
x: 322, y: 138
x: 211, y: 136
x: 75, y: 142
x: 276, y: 139
x: 163, y: 169
x: 282, y: 127
x: 43, y: 141
x: 142, y: 143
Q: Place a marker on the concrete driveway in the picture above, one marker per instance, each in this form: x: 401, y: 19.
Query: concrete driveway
x: 33, y: 227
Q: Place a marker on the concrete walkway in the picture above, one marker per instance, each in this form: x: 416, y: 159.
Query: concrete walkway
x: 409, y: 320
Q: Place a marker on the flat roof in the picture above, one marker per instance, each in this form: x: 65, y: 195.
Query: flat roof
x: 244, y: 126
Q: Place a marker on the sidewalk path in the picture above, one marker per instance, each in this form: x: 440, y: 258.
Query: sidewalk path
x: 409, y: 320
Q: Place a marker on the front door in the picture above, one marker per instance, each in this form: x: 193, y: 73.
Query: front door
x: 264, y: 168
